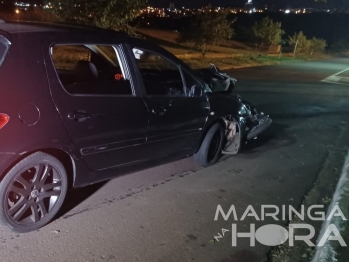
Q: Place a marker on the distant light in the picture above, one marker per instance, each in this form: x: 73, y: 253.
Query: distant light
x: 17, y: 11
x: 287, y: 11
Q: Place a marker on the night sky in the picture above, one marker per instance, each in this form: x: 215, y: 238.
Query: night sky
x: 258, y: 3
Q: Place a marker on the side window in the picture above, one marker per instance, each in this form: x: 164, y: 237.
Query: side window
x: 160, y: 76
x: 190, y: 81
x: 90, y: 69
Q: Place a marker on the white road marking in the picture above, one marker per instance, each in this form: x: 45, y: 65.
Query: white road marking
x: 336, y: 79
x: 340, y: 72
x: 331, y: 82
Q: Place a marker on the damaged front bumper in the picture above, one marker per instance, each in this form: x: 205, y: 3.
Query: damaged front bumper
x: 234, y: 136
x: 264, y: 123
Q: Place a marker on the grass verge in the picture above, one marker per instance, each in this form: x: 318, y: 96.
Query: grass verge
x: 240, y: 61
x: 231, y: 54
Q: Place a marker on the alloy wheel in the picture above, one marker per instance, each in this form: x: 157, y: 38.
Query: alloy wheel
x: 33, y: 194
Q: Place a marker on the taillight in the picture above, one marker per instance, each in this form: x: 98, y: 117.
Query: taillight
x: 3, y: 120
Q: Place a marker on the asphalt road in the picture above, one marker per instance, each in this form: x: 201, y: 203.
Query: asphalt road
x: 166, y: 213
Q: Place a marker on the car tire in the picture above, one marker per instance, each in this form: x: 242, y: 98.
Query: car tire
x: 211, y: 147
x: 32, y: 192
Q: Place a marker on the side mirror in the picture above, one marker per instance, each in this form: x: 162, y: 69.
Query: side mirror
x: 195, y: 91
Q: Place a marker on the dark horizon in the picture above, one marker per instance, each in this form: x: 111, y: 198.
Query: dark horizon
x: 256, y: 3
x: 239, y: 3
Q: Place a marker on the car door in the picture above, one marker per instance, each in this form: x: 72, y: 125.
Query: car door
x: 175, y: 119
x: 98, y: 103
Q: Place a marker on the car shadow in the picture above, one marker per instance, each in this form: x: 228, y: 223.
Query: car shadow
x: 76, y: 196
x: 274, y: 137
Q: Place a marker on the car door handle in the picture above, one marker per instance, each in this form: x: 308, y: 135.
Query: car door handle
x: 79, y: 116
x: 160, y: 111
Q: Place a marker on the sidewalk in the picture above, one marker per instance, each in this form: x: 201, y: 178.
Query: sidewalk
x: 331, y: 186
x: 332, y: 250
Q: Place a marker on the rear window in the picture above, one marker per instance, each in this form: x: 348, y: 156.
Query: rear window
x: 4, y: 46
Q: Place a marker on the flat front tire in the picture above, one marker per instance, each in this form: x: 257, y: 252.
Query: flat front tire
x: 32, y: 192
x: 211, y: 147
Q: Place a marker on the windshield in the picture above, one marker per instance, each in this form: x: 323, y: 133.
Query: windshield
x: 216, y: 81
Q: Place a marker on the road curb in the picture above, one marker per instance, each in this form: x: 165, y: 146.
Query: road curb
x: 328, y: 252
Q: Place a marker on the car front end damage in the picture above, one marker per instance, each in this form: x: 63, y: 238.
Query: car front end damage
x: 239, y: 132
x: 243, y: 122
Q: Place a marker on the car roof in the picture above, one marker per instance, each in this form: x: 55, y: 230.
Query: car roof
x: 18, y: 27
x: 40, y: 30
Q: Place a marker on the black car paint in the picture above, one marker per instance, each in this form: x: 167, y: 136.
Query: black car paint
x: 115, y: 133
x: 16, y: 74
x: 219, y: 104
x: 185, y: 116
x: 37, y: 83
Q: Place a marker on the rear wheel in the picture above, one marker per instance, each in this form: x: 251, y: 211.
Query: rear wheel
x: 211, y: 147
x: 32, y: 192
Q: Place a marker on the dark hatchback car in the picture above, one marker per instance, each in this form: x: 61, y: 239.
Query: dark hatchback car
x: 81, y: 105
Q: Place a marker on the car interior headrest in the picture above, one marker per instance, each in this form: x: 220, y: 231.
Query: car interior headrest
x: 85, y: 71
